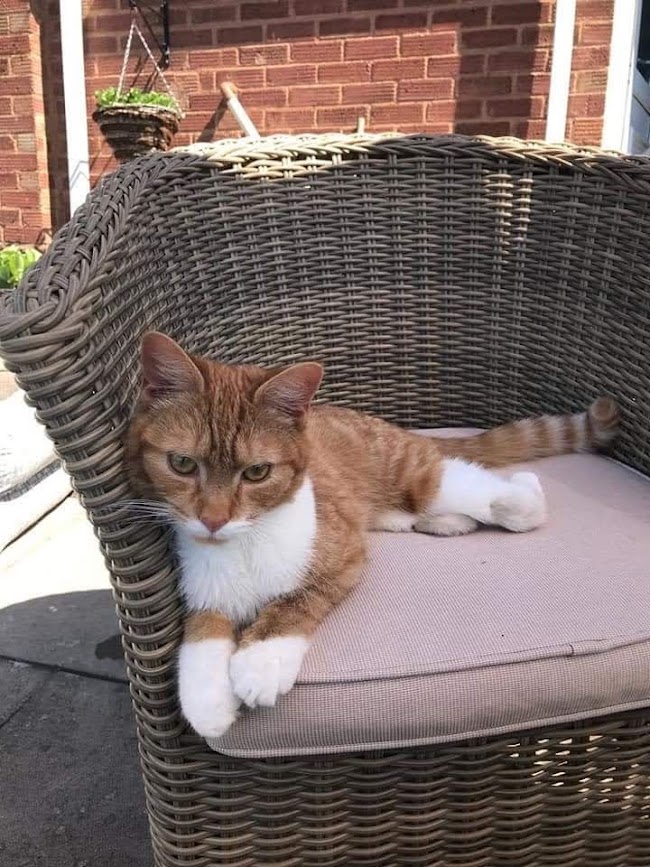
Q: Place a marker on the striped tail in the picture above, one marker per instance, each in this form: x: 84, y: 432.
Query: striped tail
x: 542, y: 437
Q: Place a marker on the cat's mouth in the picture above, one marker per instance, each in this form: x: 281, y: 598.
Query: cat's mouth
x: 201, y: 534
x: 211, y: 540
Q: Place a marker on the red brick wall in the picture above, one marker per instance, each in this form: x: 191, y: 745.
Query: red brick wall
x: 317, y: 65
x: 24, y: 192
x: 589, y: 71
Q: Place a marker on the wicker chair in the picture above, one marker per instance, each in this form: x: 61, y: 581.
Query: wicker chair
x: 443, y: 281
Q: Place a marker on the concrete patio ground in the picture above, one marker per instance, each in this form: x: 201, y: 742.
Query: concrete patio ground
x: 70, y: 790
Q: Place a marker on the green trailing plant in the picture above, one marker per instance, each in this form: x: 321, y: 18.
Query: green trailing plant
x: 109, y: 98
x: 14, y: 261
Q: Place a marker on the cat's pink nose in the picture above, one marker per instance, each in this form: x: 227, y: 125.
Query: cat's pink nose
x: 214, y: 524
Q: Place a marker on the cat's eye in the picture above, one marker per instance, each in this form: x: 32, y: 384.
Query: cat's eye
x: 182, y: 464
x: 256, y: 472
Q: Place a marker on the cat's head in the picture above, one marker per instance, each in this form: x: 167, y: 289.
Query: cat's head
x: 219, y: 445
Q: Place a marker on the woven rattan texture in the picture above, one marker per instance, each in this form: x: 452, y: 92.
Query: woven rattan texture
x: 443, y: 281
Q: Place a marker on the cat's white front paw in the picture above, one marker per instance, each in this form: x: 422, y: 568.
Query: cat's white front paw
x: 212, y: 715
x: 522, y: 506
x: 206, y: 695
x: 264, y: 670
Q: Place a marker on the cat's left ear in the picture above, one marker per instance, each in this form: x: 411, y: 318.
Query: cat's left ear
x: 292, y: 390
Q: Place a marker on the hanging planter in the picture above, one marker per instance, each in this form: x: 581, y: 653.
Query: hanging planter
x: 136, y: 122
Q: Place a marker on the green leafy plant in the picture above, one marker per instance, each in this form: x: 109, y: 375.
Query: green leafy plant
x: 14, y: 261
x: 109, y: 97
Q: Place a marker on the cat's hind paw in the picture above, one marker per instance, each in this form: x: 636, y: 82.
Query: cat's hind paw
x: 522, y: 506
x: 449, y: 524
x: 262, y: 671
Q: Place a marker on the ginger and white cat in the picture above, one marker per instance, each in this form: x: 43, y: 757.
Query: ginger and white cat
x: 271, y: 500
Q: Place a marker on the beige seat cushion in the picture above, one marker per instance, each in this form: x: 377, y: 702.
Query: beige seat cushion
x: 446, y: 639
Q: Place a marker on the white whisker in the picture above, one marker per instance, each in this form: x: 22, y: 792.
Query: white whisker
x: 139, y: 510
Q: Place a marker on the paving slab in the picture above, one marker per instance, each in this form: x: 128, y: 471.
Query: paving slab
x: 70, y: 785
x: 17, y: 684
x: 71, y: 788
x: 59, y: 554
x: 75, y: 632
x: 56, y: 607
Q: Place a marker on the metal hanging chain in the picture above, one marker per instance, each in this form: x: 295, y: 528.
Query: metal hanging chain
x: 127, y: 51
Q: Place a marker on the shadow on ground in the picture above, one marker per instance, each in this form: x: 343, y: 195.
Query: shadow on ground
x: 71, y: 788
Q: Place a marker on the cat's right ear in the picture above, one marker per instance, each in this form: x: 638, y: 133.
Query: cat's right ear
x: 167, y: 369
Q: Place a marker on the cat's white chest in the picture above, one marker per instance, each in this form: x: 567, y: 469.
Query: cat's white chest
x: 240, y: 575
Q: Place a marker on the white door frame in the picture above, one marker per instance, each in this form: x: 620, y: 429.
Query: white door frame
x: 620, y: 75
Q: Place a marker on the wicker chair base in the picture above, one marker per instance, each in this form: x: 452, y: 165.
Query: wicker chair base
x: 573, y: 796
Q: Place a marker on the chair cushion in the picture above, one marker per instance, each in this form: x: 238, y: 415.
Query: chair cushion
x: 446, y: 639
